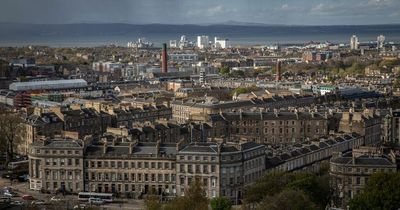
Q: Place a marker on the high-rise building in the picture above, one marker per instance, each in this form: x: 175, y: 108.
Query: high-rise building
x: 380, y: 41
x: 221, y: 43
x: 173, y: 43
x: 202, y: 42
x: 164, y: 58
x: 354, y: 42
x: 183, y: 42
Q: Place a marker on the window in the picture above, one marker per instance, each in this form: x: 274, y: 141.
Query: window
x: 213, y: 169
x: 205, y: 169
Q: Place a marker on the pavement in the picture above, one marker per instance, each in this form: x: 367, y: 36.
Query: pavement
x: 68, y: 201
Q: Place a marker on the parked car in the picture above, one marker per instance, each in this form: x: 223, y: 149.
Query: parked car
x: 28, y: 197
x: 56, y: 199
x: 96, y: 201
x: 17, y: 203
x: 23, y: 178
x: 80, y: 206
x: 38, y: 202
x: 8, y: 194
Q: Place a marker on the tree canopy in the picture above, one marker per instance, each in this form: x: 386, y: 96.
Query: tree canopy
x: 221, y: 203
x: 11, y: 131
x: 382, y: 192
x: 309, y: 188
x: 194, y: 199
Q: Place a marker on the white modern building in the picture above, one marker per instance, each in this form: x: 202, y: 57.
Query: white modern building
x: 221, y: 43
x: 354, y: 42
x: 202, y: 42
x: 173, y: 44
x: 380, y: 41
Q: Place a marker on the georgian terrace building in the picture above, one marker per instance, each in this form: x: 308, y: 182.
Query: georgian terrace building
x: 349, y: 172
x: 199, y: 110
x: 56, y: 165
x: 270, y: 127
x: 223, y: 169
x: 131, y: 169
x: 309, y: 155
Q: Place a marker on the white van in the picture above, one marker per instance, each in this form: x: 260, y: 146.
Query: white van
x: 96, y: 201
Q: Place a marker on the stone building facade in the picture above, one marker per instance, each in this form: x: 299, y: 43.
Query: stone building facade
x: 131, y: 169
x: 270, y: 127
x: 365, y: 123
x: 349, y: 172
x: 56, y: 165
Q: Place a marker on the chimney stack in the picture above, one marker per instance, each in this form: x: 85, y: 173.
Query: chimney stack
x: 164, y: 59
x: 278, y: 70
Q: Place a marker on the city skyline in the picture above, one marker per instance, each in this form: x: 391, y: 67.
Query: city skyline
x: 288, y: 12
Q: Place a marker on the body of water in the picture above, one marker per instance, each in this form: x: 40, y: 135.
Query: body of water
x: 90, y: 35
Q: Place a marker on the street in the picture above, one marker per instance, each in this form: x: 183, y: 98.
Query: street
x: 67, y: 202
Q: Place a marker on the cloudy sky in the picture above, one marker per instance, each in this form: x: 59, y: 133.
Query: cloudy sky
x: 296, y: 12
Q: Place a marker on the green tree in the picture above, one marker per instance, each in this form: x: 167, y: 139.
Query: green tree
x: 314, y: 187
x: 152, y: 202
x: 221, y: 203
x: 224, y: 70
x: 194, y: 199
x: 396, y: 83
x: 11, y: 132
x: 237, y: 73
x: 382, y: 192
x: 287, y: 200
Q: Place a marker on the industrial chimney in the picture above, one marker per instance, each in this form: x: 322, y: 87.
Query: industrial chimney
x: 278, y: 70
x: 164, y: 59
